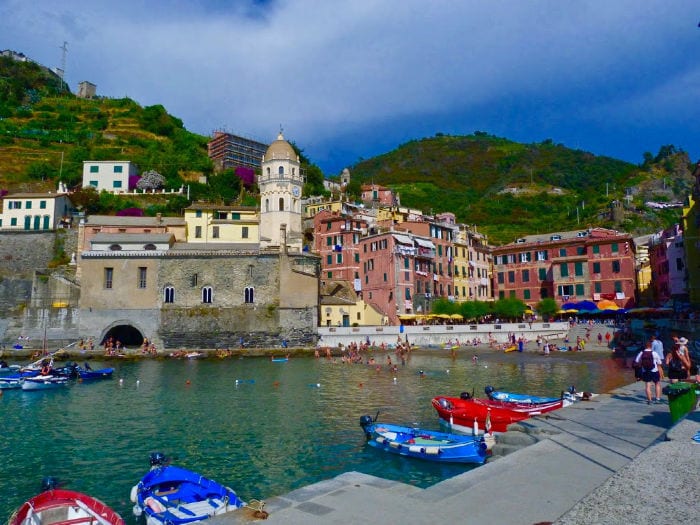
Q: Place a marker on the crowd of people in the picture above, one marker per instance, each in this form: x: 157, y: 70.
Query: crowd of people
x: 653, y: 363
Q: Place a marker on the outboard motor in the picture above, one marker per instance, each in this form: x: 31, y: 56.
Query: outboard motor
x: 465, y: 395
x: 49, y: 483
x: 157, y: 459
x: 365, y: 422
x: 489, y: 390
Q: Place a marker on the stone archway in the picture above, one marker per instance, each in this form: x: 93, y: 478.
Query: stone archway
x: 126, y: 334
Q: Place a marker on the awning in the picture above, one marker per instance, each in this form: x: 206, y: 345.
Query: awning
x: 402, y: 239
x: 424, y: 243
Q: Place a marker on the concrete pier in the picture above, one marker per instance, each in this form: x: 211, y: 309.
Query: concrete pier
x: 590, y: 462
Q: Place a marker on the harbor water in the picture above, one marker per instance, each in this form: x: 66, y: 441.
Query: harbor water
x: 263, y: 428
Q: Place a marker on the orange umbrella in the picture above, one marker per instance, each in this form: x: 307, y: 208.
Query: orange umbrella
x: 607, y: 304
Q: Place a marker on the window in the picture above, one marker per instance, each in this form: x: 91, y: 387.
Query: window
x: 249, y: 294
x: 215, y: 232
x: 115, y: 247
x: 596, y: 267
x: 142, y: 276
x: 618, y: 286
x: 198, y: 214
x: 564, y: 267
x: 13, y: 221
x: 197, y: 232
x: 526, y: 276
x: 94, y: 184
x: 169, y: 294
x: 408, y: 293
x: 42, y: 205
x: 236, y: 216
x: 281, y: 170
x: 566, y: 289
x: 511, y: 276
x: 526, y: 294
x: 329, y: 259
x: 206, y: 295
x: 525, y: 257
x: 116, y: 184
x: 616, y: 266
x: 109, y: 276
x: 94, y: 169
x: 542, y: 255
x: 501, y: 294
x: 597, y: 287
x: 406, y: 262
x: 244, y: 232
x: 614, y: 247
x: 501, y: 277
x: 542, y: 274
x: 579, y: 289
x: 330, y: 275
x: 544, y: 293
x: 118, y: 169
x: 339, y: 258
x: 596, y: 248
x: 562, y: 252
x: 28, y: 205
x: 194, y: 280
x: 149, y: 246
x: 581, y: 250
x: 357, y: 257
x: 267, y: 205
x: 281, y: 204
x: 578, y: 268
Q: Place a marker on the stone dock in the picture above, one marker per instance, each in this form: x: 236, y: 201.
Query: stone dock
x: 611, y: 460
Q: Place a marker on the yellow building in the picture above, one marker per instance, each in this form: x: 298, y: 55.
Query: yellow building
x: 341, y: 306
x: 212, y: 223
x: 691, y: 242
x: 312, y: 208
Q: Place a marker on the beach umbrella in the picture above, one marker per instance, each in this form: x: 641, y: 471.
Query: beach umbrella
x: 607, y: 304
x: 569, y: 306
x: 456, y: 316
x: 585, y: 305
x: 529, y: 311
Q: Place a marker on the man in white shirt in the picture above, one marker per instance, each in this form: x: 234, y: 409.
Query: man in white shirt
x: 658, y: 348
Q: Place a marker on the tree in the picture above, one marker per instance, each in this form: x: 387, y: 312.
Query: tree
x: 547, y: 308
x: 86, y: 199
x: 151, y: 180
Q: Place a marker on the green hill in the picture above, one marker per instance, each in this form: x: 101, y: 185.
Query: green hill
x: 510, y: 189
x: 46, y: 133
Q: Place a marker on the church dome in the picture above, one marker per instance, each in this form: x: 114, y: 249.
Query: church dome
x: 280, y: 149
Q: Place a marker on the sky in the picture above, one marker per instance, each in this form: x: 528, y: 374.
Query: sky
x: 351, y: 80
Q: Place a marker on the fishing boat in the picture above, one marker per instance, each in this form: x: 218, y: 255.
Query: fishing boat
x: 44, y: 382
x: 469, y: 414
x: 173, y: 495
x: 11, y: 381
x: 512, y: 397
x: 89, y: 374
x: 423, y: 444
x: 57, y: 506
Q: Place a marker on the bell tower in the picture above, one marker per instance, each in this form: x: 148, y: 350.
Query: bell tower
x: 280, y: 185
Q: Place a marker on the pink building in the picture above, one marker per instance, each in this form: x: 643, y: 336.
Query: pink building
x: 668, y: 268
x: 337, y: 242
x: 376, y: 194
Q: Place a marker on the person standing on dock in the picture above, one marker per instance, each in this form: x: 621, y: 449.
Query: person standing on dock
x: 650, y: 364
x: 658, y: 348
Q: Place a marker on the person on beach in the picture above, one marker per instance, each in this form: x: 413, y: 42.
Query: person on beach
x: 649, y: 364
x: 658, y: 348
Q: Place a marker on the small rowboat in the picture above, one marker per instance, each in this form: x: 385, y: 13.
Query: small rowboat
x: 279, y: 359
x: 101, y: 373
x: 43, y: 382
x: 64, y: 507
x: 170, y: 495
x: 424, y: 444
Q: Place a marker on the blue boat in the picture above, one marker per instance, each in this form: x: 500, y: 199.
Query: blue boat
x: 100, y: 373
x: 173, y: 495
x: 526, y: 399
x: 424, y: 444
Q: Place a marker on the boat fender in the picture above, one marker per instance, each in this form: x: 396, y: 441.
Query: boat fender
x: 134, y: 493
x: 155, y: 505
x: 489, y: 390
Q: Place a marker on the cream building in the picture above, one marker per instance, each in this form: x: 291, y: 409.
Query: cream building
x: 35, y: 211
x: 108, y: 175
x: 280, y: 184
x: 211, y: 223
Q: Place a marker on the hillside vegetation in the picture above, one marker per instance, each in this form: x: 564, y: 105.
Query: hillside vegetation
x: 506, y: 188
x: 510, y: 189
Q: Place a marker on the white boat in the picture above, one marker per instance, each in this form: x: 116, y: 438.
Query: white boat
x: 43, y: 382
x: 15, y: 381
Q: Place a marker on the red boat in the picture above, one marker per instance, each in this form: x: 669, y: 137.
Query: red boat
x: 460, y: 412
x: 63, y: 507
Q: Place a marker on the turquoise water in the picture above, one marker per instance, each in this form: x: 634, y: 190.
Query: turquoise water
x: 281, y: 426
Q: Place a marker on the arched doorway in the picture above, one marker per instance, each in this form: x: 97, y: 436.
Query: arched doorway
x: 126, y: 334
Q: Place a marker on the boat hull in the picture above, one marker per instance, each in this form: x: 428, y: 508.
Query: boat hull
x: 102, y: 373
x: 64, y: 507
x: 462, y: 413
x: 423, y: 444
x: 43, y: 383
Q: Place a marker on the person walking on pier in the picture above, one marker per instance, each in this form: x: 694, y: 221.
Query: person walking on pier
x: 649, y: 363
